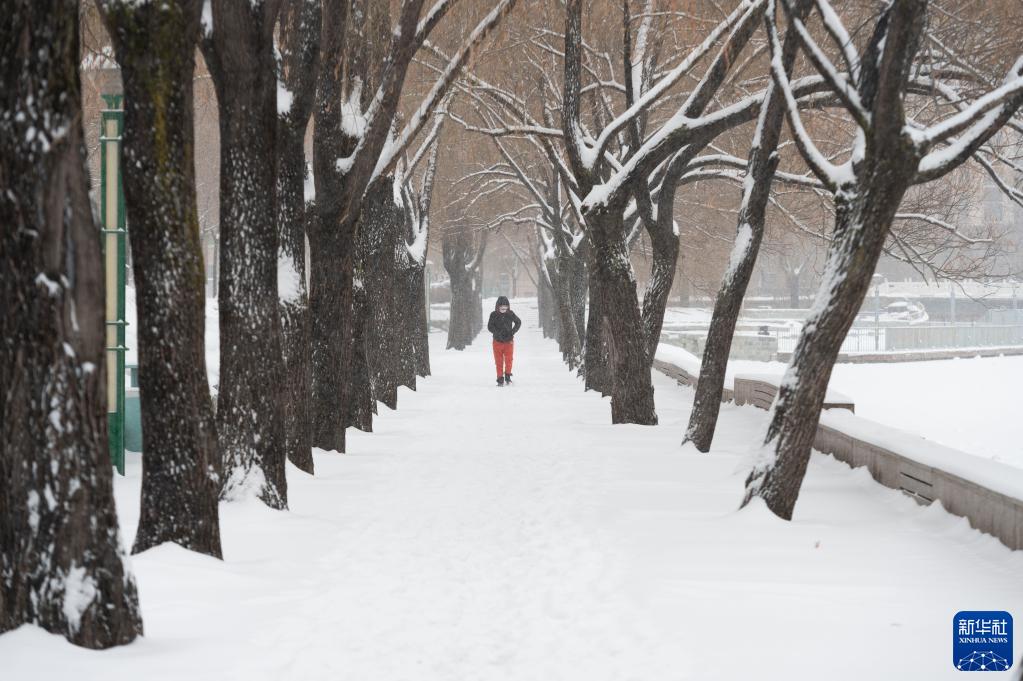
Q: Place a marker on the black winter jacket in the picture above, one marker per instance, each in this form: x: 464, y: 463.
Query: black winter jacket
x: 503, y: 326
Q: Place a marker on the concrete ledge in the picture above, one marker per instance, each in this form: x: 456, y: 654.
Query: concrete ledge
x: 683, y: 377
x: 987, y: 493
x: 760, y: 391
x: 993, y: 511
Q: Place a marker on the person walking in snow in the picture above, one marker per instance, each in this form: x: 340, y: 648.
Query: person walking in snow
x: 503, y: 324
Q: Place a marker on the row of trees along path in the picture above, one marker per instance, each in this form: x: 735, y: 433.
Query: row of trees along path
x: 313, y: 294
x: 299, y: 363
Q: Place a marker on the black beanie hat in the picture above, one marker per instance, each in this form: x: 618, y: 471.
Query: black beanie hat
x: 502, y: 300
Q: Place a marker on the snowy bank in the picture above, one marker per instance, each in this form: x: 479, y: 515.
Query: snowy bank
x: 986, y: 492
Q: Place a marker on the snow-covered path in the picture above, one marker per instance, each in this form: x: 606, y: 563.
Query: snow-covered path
x: 486, y: 533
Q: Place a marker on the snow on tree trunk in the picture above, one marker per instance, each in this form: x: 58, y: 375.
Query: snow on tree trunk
x: 662, y: 275
x: 155, y: 46
x: 760, y: 168
x: 579, y: 290
x: 328, y: 260
x: 250, y: 406
x: 62, y: 563
x: 381, y: 234
x: 889, y: 156
x: 361, y: 405
x: 861, y: 226
x: 421, y: 323
x: 632, y: 392
x: 299, y: 36
x: 408, y: 299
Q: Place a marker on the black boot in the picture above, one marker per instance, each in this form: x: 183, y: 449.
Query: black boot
x: 500, y: 382
x: 507, y: 379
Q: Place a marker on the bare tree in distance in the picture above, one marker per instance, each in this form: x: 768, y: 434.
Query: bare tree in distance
x: 353, y: 145
x: 463, y: 250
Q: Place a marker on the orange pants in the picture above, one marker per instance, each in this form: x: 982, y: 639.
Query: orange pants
x: 503, y: 357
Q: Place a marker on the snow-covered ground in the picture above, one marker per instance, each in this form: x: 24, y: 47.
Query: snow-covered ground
x: 514, y: 534
x: 967, y: 404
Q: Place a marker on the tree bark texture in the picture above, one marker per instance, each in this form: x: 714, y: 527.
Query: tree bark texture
x: 546, y: 306
x: 595, y: 359
x: 381, y: 235
x: 760, y: 168
x: 462, y: 258
x: 62, y: 565
x: 665, y: 246
x: 632, y: 392
x: 860, y: 231
x: 477, y: 298
x: 361, y: 405
x: 568, y: 338
x: 354, y: 41
x: 299, y: 46
x: 328, y: 289
x: 579, y: 290
x: 250, y: 405
x: 864, y: 209
x: 420, y: 321
x: 331, y: 243
x: 155, y: 46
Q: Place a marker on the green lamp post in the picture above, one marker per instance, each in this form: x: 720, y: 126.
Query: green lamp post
x: 114, y: 252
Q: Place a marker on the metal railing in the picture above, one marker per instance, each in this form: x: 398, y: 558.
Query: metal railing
x: 890, y: 338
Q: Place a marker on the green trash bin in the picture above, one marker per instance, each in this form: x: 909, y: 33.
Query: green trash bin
x: 132, y: 412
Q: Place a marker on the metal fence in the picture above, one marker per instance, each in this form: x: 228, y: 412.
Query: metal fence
x: 862, y: 339
x: 953, y: 336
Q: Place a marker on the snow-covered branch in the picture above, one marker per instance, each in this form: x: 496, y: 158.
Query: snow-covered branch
x: 421, y: 115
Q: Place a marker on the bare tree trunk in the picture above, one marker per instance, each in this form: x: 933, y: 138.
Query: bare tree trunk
x: 331, y: 244
x: 361, y: 405
x: 408, y: 301
x: 420, y: 322
x: 632, y: 392
x: 61, y: 562
x: 381, y: 233
x: 579, y: 290
x: 547, y: 306
x: 460, y: 333
x: 250, y: 409
x: 299, y: 46
x: 155, y: 45
x: 295, y: 341
x: 861, y: 226
x: 477, y: 299
x: 595, y: 354
x: 865, y: 205
x: 662, y: 276
x: 568, y: 338
x: 326, y: 295
x: 763, y: 161
x: 462, y: 261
